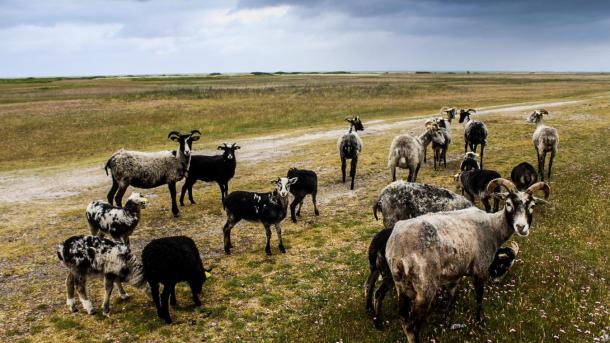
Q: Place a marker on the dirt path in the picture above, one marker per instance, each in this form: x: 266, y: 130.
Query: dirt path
x: 31, y: 185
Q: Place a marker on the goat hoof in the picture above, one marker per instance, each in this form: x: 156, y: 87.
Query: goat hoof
x: 91, y: 311
x: 227, y: 252
x: 106, y: 314
x: 73, y: 309
x: 294, y: 220
x: 282, y: 250
x: 268, y: 252
x: 167, y: 320
x: 317, y: 213
x: 176, y: 215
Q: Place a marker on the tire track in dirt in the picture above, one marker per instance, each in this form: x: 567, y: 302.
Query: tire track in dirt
x: 39, y: 184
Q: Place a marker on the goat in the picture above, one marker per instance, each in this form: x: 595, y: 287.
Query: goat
x: 91, y: 255
x: 407, y: 152
x: 474, y: 184
x: 170, y: 260
x: 307, y: 183
x: 350, y: 146
x: 118, y: 222
x: 150, y: 170
x: 523, y: 175
x: 475, y: 133
x: 218, y: 168
x: 469, y: 162
x: 443, y: 123
x: 266, y: 208
x: 545, y: 139
x: 436, y: 250
x: 445, y: 126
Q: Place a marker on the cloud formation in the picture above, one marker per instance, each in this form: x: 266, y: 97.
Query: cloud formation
x: 71, y: 37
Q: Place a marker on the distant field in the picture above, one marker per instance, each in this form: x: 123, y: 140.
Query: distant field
x: 91, y: 118
x: 559, y: 289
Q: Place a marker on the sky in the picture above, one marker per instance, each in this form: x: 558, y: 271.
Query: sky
x: 121, y: 37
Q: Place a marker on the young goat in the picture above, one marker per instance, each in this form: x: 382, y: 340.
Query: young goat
x: 545, y: 140
x: 523, y: 175
x: 118, y: 222
x: 170, y: 260
x: 474, y: 184
x: 266, y: 208
x: 219, y: 169
x: 307, y: 183
x: 350, y: 146
x: 91, y: 255
x: 150, y: 170
x: 436, y: 250
x: 407, y: 152
x: 475, y: 133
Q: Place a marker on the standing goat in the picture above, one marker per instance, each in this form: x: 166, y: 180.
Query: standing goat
x: 436, y: 250
x: 218, y: 168
x: 443, y: 123
x: 91, y: 255
x: 545, y: 139
x: 266, y: 208
x: 474, y: 185
x: 475, y: 133
x: 151, y: 169
x: 407, y: 152
x: 350, y: 146
x: 440, y: 150
x: 118, y: 222
x: 307, y: 183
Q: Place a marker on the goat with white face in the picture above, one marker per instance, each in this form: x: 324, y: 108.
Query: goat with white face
x: 475, y: 133
x: 150, y: 170
x: 545, y: 140
x: 350, y: 146
x: 437, y: 250
x: 266, y: 208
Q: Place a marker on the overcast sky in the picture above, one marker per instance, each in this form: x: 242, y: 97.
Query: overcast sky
x: 96, y: 37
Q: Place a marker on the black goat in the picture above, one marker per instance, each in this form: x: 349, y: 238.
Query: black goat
x: 524, y: 175
x: 469, y: 162
x: 475, y: 133
x: 307, y: 183
x: 474, y: 183
x: 218, y: 168
x: 350, y: 146
x: 170, y: 260
x: 266, y: 208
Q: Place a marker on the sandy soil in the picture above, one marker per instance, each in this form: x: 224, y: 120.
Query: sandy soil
x: 35, y: 184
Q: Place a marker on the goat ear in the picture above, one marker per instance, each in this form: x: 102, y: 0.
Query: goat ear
x: 540, y: 200
x: 500, y: 196
x: 220, y: 147
x: 293, y: 180
x: 174, y: 135
x: 236, y: 147
x: 195, y: 138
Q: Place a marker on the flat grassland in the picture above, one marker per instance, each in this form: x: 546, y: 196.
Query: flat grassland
x: 61, y: 131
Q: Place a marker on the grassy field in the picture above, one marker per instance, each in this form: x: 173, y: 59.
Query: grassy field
x: 559, y: 289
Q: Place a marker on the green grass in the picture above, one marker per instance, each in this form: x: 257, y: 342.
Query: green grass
x: 314, y: 293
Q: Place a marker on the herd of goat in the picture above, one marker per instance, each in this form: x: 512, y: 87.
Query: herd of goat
x: 431, y: 238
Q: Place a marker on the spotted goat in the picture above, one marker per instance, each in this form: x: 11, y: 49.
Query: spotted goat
x: 265, y: 208
x: 84, y: 256
x: 118, y: 222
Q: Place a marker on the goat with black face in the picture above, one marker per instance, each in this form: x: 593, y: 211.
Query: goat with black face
x: 218, y: 168
x: 266, y: 208
x: 475, y: 133
x: 350, y: 146
x: 151, y: 169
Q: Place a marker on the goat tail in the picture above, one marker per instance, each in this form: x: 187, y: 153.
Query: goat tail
x: 377, y: 207
x: 60, y: 252
x: 108, y: 166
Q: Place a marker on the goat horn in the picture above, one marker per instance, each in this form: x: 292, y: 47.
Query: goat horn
x: 173, y: 133
x: 491, y: 186
x: 472, y: 110
x: 539, y: 186
x: 195, y: 132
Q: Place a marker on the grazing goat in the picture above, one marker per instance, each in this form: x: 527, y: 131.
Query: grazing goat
x: 475, y: 133
x: 90, y: 255
x: 407, y: 152
x: 170, y: 260
x: 523, y: 175
x: 436, y: 250
x: 350, y: 146
x: 118, y: 222
x: 219, y: 169
x: 474, y: 184
x: 307, y: 183
x: 545, y: 139
x: 266, y: 208
x: 150, y: 170
x: 469, y: 162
